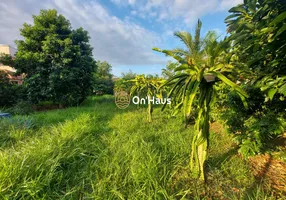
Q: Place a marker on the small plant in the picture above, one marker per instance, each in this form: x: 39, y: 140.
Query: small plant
x: 147, y: 87
x: 254, y: 128
x: 18, y: 122
x: 21, y: 108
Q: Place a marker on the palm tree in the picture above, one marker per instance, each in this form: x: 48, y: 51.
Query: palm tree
x: 194, y: 52
x: 201, y: 66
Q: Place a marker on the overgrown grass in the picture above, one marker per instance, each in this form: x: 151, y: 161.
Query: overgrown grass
x: 97, y: 151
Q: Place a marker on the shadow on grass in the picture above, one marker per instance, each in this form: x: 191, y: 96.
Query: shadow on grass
x: 224, y: 157
x: 22, y: 128
x: 58, y: 160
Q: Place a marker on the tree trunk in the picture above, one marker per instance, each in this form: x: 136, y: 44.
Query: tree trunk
x: 150, y: 110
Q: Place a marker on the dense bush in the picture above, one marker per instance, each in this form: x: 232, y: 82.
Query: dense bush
x: 256, y: 126
x: 17, y: 122
x: 5, y: 90
x: 103, y: 86
x: 10, y: 93
x: 21, y: 108
x: 102, y: 79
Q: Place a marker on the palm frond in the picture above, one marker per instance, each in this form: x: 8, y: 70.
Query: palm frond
x: 186, y: 38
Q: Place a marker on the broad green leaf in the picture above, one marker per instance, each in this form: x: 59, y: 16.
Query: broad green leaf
x: 278, y: 19
x: 271, y: 93
x: 232, y: 16
x: 282, y: 89
x: 281, y: 30
x: 229, y: 82
x: 182, y: 67
x: 168, y: 82
x: 237, y: 9
x: 156, y: 49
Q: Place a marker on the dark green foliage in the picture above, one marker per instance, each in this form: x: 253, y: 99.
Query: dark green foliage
x: 258, y: 31
x: 255, y: 100
x: 256, y: 126
x: 9, y: 93
x: 21, y: 108
x: 103, y: 83
x: 57, y: 60
x: 5, y: 90
x: 258, y: 37
x: 6, y: 59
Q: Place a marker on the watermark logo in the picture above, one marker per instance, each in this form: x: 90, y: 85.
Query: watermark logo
x: 150, y: 100
x: 122, y: 99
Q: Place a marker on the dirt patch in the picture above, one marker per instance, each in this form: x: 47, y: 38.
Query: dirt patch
x: 269, y: 170
x: 217, y: 127
x: 280, y: 141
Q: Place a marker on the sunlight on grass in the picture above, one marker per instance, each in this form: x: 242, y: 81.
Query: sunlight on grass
x: 100, y: 152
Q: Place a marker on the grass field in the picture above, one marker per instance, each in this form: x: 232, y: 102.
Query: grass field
x: 97, y: 151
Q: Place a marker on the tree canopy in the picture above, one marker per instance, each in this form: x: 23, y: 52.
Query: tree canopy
x: 103, y: 83
x: 258, y: 34
x: 57, y: 60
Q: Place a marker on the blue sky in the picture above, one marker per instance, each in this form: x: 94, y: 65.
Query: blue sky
x: 123, y: 32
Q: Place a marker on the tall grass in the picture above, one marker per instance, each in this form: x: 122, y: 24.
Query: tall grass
x: 97, y: 151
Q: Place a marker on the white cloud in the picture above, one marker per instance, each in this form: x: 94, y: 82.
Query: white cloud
x: 227, y: 4
x: 188, y: 10
x: 131, y: 2
x: 133, y: 12
x: 124, y: 2
x: 117, y: 41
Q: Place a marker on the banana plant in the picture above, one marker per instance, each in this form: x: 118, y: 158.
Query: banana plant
x: 196, y: 81
x: 147, y: 87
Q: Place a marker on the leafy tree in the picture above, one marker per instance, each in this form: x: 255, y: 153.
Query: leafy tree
x: 258, y: 33
x: 123, y: 83
x: 5, y: 90
x: 9, y: 93
x: 57, y: 60
x: 128, y: 75
x: 103, y: 83
x: 6, y: 59
x: 200, y: 68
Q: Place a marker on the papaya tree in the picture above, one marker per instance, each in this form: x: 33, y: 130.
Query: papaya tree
x: 201, y: 67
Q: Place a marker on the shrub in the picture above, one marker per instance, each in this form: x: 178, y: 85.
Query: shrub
x: 17, y: 122
x: 6, y: 90
x: 21, y: 108
x: 256, y: 126
x: 10, y: 93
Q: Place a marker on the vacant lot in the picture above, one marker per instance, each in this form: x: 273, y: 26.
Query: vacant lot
x: 97, y: 151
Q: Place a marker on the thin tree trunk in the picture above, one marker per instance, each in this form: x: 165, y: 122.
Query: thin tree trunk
x: 149, y: 112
